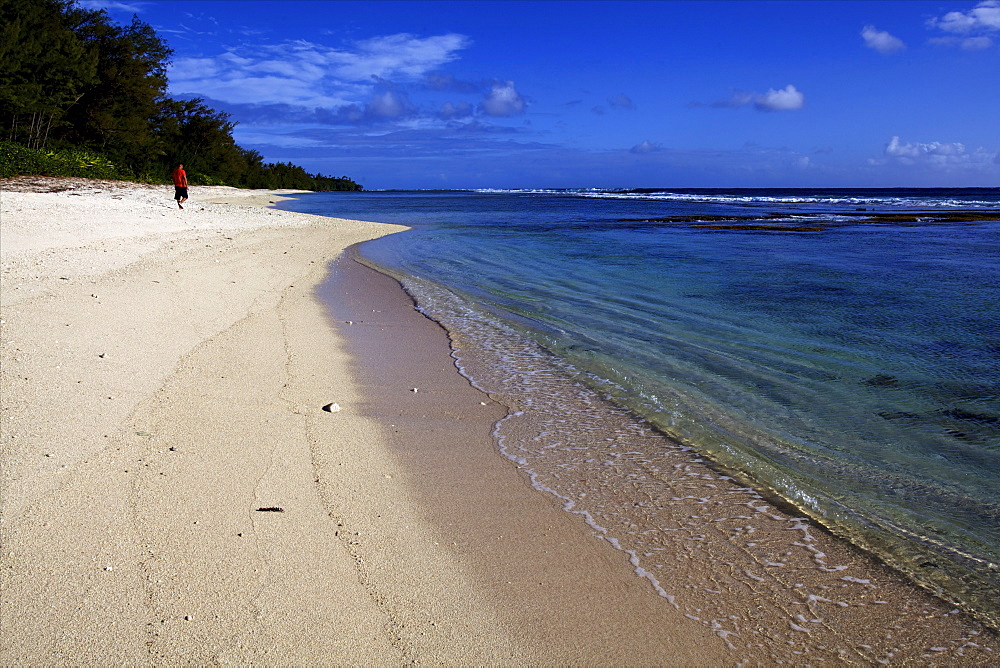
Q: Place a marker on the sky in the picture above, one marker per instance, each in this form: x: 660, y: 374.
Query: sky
x: 518, y: 94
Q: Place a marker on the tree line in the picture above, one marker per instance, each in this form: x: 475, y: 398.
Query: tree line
x: 72, y: 80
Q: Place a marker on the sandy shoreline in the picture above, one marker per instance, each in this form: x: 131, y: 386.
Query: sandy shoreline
x: 164, y: 374
x: 163, y: 377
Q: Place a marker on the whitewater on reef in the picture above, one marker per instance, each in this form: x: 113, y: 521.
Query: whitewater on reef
x: 837, y: 348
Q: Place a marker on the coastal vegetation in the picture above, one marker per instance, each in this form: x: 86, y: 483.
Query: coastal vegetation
x: 83, y: 96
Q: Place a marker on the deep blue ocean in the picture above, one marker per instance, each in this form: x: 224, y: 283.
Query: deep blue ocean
x: 839, y: 348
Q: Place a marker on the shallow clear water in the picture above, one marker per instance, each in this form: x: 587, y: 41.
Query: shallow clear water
x: 849, y: 363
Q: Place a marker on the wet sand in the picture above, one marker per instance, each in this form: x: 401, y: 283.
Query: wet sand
x: 555, y: 593
x: 770, y: 586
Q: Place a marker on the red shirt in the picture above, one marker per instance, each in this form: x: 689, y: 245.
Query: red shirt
x: 180, y: 178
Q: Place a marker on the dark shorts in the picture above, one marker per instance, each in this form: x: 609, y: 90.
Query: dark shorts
x: 180, y: 193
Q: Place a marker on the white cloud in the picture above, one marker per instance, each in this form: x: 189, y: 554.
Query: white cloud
x: 305, y: 74
x: 786, y: 99
x: 984, y: 17
x: 393, y: 55
x: 240, y: 87
x: 897, y: 149
x: 503, y: 100
x: 942, y: 155
x: 881, y: 41
x: 969, y: 30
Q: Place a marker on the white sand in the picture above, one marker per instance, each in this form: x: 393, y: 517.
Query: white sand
x: 163, y: 374
x: 130, y: 466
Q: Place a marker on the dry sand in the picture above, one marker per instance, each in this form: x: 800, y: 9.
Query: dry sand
x: 173, y: 491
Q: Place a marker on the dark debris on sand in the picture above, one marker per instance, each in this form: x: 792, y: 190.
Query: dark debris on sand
x: 58, y: 184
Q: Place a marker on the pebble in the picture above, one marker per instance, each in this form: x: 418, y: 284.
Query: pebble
x: 332, y: 408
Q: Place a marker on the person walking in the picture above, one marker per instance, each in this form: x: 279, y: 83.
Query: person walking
x: 180, y: 185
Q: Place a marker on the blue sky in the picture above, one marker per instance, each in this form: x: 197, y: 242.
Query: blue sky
x: 599, y: 94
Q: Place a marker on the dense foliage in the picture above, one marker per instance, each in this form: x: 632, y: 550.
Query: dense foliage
x: 81, y: 96
x: 16, y: 159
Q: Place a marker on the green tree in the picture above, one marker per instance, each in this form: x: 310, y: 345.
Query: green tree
x: 44, y: 67
x: 201, y: 138
x: 116, y: 115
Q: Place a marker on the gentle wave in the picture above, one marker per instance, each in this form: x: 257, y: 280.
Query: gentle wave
x: 530, y: 376
x: 873, y: 201
x: 706, y: 198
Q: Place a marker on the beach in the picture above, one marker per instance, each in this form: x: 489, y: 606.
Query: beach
x: 175, y: 492
x: 226, y: 441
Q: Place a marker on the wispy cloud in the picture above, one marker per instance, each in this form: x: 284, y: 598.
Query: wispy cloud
x: 113, y: 5
x: 367, y: 83
x: 881, y: 41
x: 788, y: 98
x: 306, y: 74
x: 394, y: 55
x: 976, y: 43
x: 442, y: 143
x: 515, y: 160
x: 970, y: 30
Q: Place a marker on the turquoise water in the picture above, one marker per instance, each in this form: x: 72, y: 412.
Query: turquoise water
x: 847, y: 361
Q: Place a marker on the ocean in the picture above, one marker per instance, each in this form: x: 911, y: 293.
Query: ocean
x: 835, y: 349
